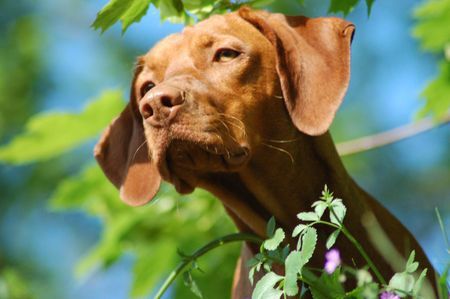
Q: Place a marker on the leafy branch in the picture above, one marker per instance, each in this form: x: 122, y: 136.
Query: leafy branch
x: 189, y: 12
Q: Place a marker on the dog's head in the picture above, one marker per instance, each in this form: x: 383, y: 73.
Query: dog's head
x: 202, y: 100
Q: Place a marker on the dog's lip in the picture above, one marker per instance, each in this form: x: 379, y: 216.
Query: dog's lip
x: 232, y: 158
x: 238, y: 157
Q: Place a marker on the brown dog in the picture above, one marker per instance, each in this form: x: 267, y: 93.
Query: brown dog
x: 240, y: 105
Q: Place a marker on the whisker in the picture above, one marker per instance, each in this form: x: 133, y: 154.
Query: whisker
x: 281, y: 150
x: 282, y: 141
x: 240, y: 125
x: 139, y: 147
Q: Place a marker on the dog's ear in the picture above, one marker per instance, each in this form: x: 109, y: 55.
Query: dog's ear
x: 313, y: 63
x: 123, y: 155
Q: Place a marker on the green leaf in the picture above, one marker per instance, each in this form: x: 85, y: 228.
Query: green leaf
x: 191, y: 284
x: 369, y: 6
x: 134, y: 13
x: 436, y: 94
x: 270, y: 229
x: 149, y: 266
x: 327, y: 195
x: 419, y: 282
x: 251, y: 274
x: 332, y: 238
x: 327, y: 286
x: 292, y: 266
x: 411, y: 265
x: 84, y: 189
x: 339, y: 210
x: 265, y: 287
x: 345, y: 7
x: 433, y: 26
x: 309, y: 241
x: 402, y: 281
x: 307, y: 216
x: 298, y: 229
x: 170, y: 9
x: 275, y: 241
x: 443, y: 288
x: 319, y: 207
x: 48, y: 135
x: 128, y: 11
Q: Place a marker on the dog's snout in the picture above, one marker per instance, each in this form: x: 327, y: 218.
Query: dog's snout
x: 160, y: 105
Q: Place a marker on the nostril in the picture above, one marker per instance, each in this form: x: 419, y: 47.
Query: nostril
x: 166, y: 101
x: 146, y: 110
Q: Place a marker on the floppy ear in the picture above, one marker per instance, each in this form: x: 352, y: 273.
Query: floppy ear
x: 313, y: 63
x: 124, y: 158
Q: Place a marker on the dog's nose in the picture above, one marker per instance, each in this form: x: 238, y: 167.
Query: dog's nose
x: 160, y: 105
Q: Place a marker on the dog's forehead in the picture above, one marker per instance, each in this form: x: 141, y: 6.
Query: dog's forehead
x: 199, y: 36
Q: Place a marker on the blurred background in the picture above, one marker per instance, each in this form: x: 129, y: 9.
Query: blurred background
x: 63, y: 231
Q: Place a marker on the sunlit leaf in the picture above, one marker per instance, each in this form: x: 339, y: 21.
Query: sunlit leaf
x: 275, y: 241
x: 433, y: 26
x: 402, y: 281
x: 332, y: 238
x: 128, y: 11
x: 419, y: 282
x: 48, y: 135
x: 411, y: 265
x: 338, y: 213
x: 345, y: 7
x: 319, y: 207
x: 309, y: 241
x: 266, y: 285
x: 170, y: 9
x: 292, y: 266
x: 437, y: 94
x: 84, y: 189
x: 307, y: 216
x: 298, y: 229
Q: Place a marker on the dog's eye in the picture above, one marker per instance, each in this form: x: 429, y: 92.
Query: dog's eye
x: 146, y: 87
x: 225, y: 55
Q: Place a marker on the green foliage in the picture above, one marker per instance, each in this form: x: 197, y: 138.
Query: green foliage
x: 190, y: 11
x: 148, y: 232
x: 329, y: 284
x: 437, y: 94
x: 265, y: 288
x: 50, y: 134
x: 433, y: 27
x: 13, y: 285
x: 275, y: 241
x: 127, y: 11
x: 345, y: 7
x: 22, y: 75
x: 433, y: 32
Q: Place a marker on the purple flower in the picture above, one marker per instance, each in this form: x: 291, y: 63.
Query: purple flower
x: 388, y: 295
x: 333, y: 260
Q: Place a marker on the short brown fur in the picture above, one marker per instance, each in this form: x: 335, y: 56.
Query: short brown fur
x: 251, y: 129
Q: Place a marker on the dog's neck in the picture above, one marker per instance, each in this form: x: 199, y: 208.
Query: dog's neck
x: 303, y: 167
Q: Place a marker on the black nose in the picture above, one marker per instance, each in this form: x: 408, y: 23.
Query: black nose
x: 161, y: 104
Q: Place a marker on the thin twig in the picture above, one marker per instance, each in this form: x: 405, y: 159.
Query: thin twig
x: 391, y: 136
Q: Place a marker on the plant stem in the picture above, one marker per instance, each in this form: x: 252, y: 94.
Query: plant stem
x: 238, y: 237
x: 359, y: 248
